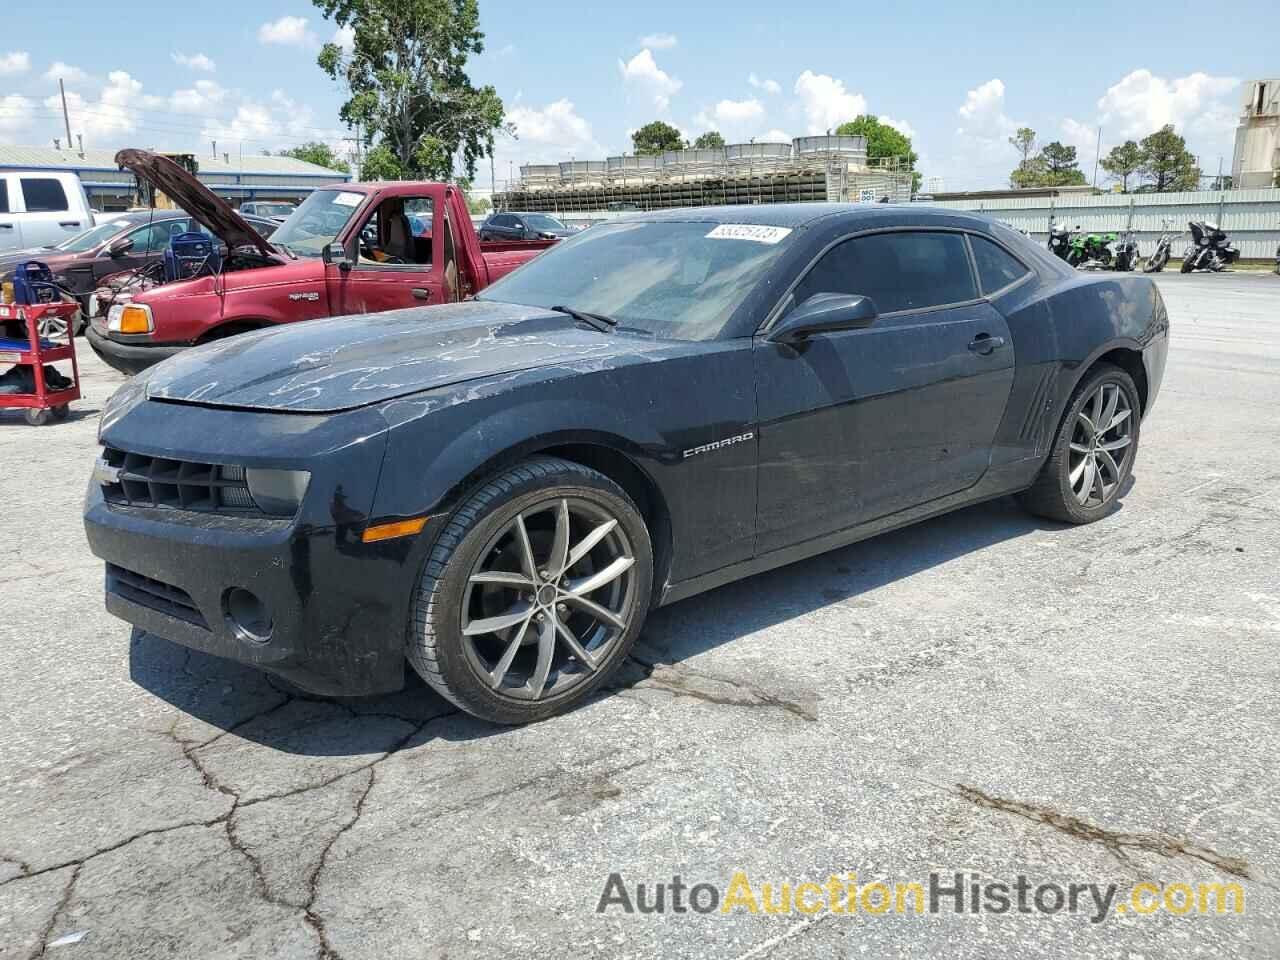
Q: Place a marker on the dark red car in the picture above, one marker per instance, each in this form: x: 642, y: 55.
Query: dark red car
x: 117, y: 243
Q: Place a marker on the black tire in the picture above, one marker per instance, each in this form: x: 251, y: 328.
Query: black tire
x: 1051, y: 495
x: 435, y: 644
x: 1188, y: 263
x: 61, y: 413
x: 1157, y: 262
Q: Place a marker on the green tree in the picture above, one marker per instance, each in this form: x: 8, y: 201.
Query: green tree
x: 711, y: 140
x: 1123, y: 162
x: 883, y: 141
x: 381, y: 163
x: 1060, y: 166
x: 1024, y: 141
x: 407, y: 83
x: 318, y: 153
x: 1029, y: 173
x: 657, y: 137
x: 1167, y: 163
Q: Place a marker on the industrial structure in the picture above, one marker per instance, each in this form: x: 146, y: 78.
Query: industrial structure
x: 822, y: 168
x: 231, y: 176
x: 1256, y: 162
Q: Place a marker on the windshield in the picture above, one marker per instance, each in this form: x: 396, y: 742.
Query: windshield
x: 273, y: 209
x: 680, y: 280
x: 91, y: 237
x: 540, y: 221
x: 317, y: 221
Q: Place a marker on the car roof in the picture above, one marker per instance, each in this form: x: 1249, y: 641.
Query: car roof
x: 804, y: 214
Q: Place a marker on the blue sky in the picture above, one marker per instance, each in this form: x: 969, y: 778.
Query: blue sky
x: 577, y: 78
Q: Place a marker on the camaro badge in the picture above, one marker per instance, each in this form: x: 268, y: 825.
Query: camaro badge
x: 311, y: 296
x: 727, y: 442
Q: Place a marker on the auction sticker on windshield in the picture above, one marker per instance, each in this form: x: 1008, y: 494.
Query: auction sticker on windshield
x: 348, y: 199
x: 748, y: 231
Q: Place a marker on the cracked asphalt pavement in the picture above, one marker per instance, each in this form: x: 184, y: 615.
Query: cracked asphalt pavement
x: 984, y: 693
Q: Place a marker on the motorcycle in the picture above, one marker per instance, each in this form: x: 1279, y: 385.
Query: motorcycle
x: 1164, y: 247
x: 1209, y: 250
x: 1126, y: 251
x: 1091, y: 250
x: 1059, y: 241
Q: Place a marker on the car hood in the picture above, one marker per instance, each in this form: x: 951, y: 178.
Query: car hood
x: 55, y: 259
x: 323, y: 366
x: 214, y: 213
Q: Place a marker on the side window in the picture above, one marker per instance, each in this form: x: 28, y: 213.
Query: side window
x: 4, y: 195
x: 898, y: 271
x: 996, y: 268
x: 43, y: 195
x: 398, y: 233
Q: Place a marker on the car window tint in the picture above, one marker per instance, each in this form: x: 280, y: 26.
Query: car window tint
x: 4, y: 196
x: 43, y: 195
x: 898, y: 271
x: 996, y: 268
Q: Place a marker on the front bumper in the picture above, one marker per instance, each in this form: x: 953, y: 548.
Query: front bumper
x: 338, y: 607
x: 128, y: 358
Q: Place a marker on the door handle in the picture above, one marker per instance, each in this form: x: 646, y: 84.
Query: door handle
x: 420, y: 293
x: 984, y: 343
x: 68, y: 223
x: 6, y: 226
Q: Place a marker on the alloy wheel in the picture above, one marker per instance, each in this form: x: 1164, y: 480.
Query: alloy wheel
x: 1101, y: 445
x: 549, y: 598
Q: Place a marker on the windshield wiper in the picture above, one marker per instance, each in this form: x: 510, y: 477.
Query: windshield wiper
x: 598, y: 320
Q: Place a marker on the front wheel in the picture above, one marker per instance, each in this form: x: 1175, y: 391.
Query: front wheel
x: 533, y: 594
x: 1093, y: 452
x: 1157, y: 261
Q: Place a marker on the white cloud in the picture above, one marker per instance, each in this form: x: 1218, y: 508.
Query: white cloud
x: 287, y: 31
x: 982, y: 113
x: 768, y: 86
x: 113, y: 113
x: 15, y: 114
x: 659, y: 41
x: 203, y: 97
x: 196, y: 61
x: 551, y: 134
x: 734, y: 119
x: 16, y: 61
x: 64, y: 71
x: 1082, y: 136
x: 643, y: 73
x: 776, y: 136
x: 1142, y: 103
x: 345, y: 37
x: 826, y: 102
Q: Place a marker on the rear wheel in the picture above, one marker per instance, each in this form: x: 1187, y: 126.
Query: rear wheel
x: 1093, y: 451
x: 534, y: 592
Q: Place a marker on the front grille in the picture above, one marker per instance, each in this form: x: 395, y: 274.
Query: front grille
x: 145, y: 481
x: 161, y: 597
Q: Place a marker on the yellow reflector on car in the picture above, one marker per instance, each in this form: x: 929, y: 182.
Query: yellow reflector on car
x: 135, y: 320
x: 389, y: 531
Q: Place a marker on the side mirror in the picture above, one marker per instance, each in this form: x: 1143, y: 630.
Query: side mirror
x: 120, y: 248
x: 336, y: 254
x: 824, y: 313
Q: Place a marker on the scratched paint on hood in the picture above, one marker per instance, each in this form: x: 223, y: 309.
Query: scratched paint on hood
x: 347, y: 362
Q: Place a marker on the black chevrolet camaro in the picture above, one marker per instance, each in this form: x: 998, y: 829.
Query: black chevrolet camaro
x: 498, y: 491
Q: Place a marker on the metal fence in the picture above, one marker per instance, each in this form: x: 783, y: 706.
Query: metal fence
x: 1250, y: 217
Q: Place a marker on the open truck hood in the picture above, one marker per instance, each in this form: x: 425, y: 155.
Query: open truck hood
x: 195, y: 198
x: 323, y: 366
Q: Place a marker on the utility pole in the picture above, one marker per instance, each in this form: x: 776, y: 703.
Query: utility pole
x: 1097, y: 155
x: 66, y: 120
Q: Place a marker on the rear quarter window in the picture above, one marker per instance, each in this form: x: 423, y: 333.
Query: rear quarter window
x: 43, y: 195
x: 997, y: 268
x: 4, y: 195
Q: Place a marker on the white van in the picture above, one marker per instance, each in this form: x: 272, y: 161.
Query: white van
x: 40, y: 208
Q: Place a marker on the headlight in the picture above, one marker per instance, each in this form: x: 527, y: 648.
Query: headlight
x: 130, y: 318
x: 277, y: 492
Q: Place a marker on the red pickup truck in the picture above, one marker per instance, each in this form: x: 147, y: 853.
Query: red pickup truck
x: 350, y: 248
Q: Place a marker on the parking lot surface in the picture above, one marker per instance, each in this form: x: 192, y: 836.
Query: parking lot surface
x: 986, y: 694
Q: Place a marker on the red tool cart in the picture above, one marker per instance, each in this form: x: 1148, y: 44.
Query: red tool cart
x: 46, y: 402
